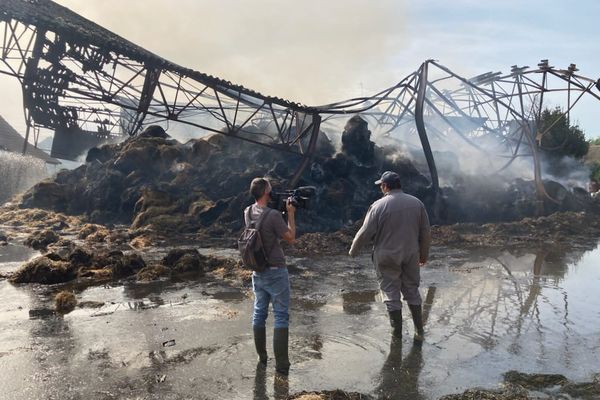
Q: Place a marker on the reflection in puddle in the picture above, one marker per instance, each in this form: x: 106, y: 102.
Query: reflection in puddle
x: 358, y: 302
x: 485, y: 313
x: 13, y: 255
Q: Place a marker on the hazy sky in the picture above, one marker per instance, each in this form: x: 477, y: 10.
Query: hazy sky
x: 316, y: 51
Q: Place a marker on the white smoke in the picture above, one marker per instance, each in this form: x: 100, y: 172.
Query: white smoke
x: 18, y: 173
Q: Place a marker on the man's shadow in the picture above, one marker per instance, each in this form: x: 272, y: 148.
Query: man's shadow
x: 400, y: 377
x: 281, y: 388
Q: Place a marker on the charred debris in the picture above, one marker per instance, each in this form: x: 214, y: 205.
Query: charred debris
x: 153, y: 181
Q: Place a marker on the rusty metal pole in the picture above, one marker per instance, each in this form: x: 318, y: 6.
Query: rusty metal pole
x: 312, y: 147
x: 150, y: 83
x: 420, y: 123
x: 539, y: 183
x: 27, y: 129
x: 30, y: 76
x: 540, y: 191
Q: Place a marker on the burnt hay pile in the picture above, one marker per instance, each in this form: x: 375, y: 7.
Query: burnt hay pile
x: 153, y: 181
x: 156, y: 183
x: 66, y: 261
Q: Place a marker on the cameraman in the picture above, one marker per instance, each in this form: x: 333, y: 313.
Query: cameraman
x: 398, y: 226
x: 271, y: 285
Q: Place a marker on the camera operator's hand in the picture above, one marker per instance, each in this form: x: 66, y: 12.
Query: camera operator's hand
x: 290, y: 207
x: 422, y: 261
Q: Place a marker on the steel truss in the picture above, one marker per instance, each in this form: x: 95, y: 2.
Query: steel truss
x: 78, y: 76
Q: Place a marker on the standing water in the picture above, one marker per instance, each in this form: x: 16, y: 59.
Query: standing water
x: 487, y: 312
x: 19, y: 173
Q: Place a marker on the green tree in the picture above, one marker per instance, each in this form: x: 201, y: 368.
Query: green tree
x: 595, y: 172
x: 559, y: 138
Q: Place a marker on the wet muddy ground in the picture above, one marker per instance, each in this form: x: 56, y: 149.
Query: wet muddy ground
x: 488, y: 311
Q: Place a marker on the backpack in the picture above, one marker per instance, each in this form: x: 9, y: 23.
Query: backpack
x: 250, y: 243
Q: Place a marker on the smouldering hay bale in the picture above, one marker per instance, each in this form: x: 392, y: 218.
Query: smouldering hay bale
x: 330, y: 395
x: 41, y: 239
x: 93, y: 233
x: 98, y: 236
x: 228, y: 269
x: 44, y: 270
x: 127, y: 265
x: 118, y: 237
x: 534, y: 381
x: 12, y: 215
x: 183, y: 261
x: 310, y: 396
x: 152, y: 272
x: 65, y: 302
x: 97, y: 275
x: 142, y: 241
x: 508, y: 393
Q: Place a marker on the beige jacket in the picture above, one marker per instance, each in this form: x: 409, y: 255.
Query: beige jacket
x: 398, y: 226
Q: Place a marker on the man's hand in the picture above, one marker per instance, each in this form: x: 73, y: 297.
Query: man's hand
x: 422, y: 261
x: 290, y: 235
x: 289, y: 206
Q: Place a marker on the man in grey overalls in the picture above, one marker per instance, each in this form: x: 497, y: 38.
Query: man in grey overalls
x: 398, y: 226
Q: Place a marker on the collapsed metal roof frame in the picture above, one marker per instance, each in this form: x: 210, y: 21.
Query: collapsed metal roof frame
x: 76, y: 74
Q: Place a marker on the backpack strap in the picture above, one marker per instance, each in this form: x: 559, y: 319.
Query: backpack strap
x: 247, y: 219
x: 260, y: 219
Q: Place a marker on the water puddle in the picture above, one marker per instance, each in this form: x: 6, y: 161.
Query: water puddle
x: 486, y: 312
x: 13, y: 255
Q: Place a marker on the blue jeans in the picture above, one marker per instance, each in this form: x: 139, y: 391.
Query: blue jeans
x: 272, y: 285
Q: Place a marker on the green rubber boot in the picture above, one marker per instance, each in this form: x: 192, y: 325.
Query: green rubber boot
x: 280, y: 348
x: 416, y: 311
x: 260, y: 342
x: 396, y: 322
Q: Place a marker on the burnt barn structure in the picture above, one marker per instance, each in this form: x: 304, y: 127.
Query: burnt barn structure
x: 90, y: 85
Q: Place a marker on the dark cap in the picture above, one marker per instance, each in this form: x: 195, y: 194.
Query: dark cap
x: 388, y: 177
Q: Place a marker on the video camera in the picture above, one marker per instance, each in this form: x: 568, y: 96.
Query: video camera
x: 300, y: 197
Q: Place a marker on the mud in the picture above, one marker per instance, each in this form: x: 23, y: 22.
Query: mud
x: 487, y: 311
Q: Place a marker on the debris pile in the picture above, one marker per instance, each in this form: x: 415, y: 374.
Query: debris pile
x: 562, y: 228
x: 152, y: 181
x: 155, y: 183
x: 67, y: 261
x: 517, y: 386
x: 65, y: 302
x: 329, y: 395
x: 489, y: 199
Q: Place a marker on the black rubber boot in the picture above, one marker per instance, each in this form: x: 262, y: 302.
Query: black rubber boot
x: 260, y: 342
x: 396, y: 322
x: 416, y: 311
x: 280, y: 347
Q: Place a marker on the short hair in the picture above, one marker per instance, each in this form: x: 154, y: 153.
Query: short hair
x: 395, y: 184
x: 258, y: 187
